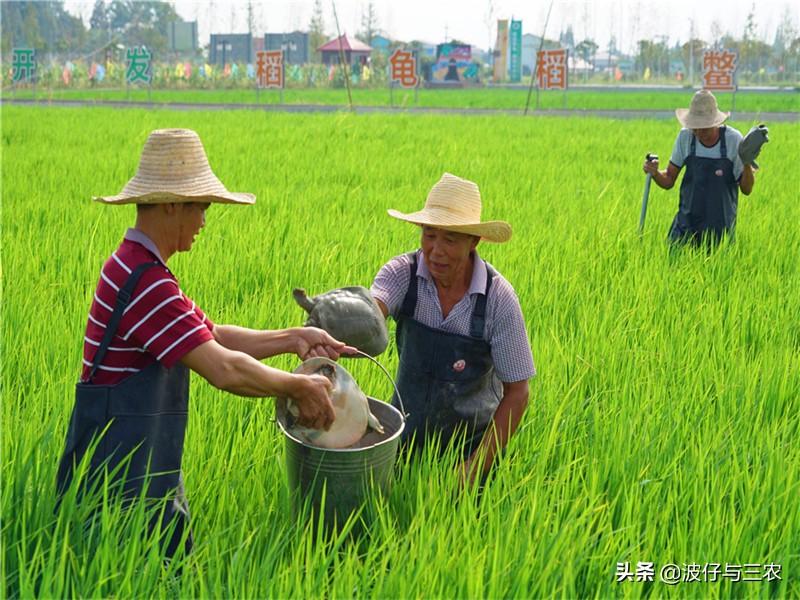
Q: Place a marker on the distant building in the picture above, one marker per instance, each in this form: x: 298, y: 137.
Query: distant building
x: 530, y: 46
x: 231, y: 48
x: 294, y: 46
x: 182, y: 36
x: 381, y: 44
x: 355, y: 51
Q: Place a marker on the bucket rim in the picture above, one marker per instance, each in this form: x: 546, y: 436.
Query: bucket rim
x: 396, y: 434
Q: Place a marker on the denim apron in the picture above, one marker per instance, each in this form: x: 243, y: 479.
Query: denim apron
x: 447, y: 381
x: 709, y: 197
x: 144, y: 418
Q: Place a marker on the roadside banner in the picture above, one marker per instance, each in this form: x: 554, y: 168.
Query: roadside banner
x: 500, y: 50
x: 515, y: 52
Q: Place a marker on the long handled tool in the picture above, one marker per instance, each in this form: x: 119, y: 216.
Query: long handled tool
x: 648, y: 158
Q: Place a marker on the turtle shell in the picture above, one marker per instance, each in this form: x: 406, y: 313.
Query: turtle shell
x: 350, y: 314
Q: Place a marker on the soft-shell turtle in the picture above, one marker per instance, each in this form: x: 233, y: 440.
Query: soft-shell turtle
x: 350, y: 314
x: 349, y: 404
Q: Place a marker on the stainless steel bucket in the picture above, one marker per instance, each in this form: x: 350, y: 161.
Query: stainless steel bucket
x: 338, y: 482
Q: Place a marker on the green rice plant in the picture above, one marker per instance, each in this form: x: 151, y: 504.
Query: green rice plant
x: 662, y: 425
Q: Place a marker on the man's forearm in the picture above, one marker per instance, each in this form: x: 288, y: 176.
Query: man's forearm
x: 747, y: 180
x: 259, y: 344
x: 663, y: 180
x: 504, y: 423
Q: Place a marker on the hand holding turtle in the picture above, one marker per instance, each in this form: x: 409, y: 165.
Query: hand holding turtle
x: 312, y: 341
x: 311, y: 395
x: 750, y: 146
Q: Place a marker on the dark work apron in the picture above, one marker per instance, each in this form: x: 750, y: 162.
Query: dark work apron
x: 709, y: 197
x: 447, y: 381
x: 145, y: 416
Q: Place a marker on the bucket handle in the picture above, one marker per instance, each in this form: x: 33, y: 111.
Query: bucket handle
x: 394, y: 385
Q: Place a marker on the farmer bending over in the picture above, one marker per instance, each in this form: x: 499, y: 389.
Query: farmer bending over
x: 465, y: 359
x: 144, y: 335
x: 718, y: 163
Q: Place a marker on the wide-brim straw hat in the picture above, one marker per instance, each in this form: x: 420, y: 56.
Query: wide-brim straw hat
x: 703, y: 112
x: 174, y: 168
x: 454, y: 204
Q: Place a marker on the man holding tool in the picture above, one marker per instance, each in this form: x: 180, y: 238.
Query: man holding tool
x: 719, y: 162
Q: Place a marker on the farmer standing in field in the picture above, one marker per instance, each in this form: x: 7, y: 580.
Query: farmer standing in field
x: 718, y: 164
x: 144, y: 335
x: 465, y: 359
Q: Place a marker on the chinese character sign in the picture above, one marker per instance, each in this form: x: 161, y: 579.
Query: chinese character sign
x: 24, y: 64
x: 515, y: 52
x: 551, y: 69
x: 269, y: 69
x: 719, y: 67
x: 137, y: 62
x: 403, y: 68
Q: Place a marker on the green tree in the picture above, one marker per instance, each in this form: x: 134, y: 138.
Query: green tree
x: 369, y: 24
x: 692, y: 56
x: 316, y: 32
x: 99, y: 19
x: 45, y: 26
x: 586, y: 50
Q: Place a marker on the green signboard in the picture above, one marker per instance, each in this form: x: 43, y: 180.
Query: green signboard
x: 23, y: 64
x: 515, y: 52
x: 138, y: 65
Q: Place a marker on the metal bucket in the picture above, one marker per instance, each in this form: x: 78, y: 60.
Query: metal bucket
x: 337, y: 482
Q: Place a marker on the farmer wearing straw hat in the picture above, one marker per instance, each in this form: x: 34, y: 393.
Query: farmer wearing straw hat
x: 718, y: 164
x: 465, y: 359
x: 144, y: 335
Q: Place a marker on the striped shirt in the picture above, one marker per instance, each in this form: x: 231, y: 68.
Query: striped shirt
x: 505, y: 325
x: 159, y: 324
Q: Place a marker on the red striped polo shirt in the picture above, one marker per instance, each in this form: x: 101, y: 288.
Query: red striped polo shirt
x: 159, y: 324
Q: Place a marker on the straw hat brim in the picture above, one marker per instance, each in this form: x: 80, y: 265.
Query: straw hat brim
x: 690, y: 121
x: 491, y: 231
x: 167, y: 197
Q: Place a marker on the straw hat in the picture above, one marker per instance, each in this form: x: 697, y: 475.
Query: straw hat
x: 703, y: 112
x: 454, y: 204
x: 174, y: 168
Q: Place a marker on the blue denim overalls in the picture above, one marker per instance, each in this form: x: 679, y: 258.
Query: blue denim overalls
x: 447, y: 381
x: 146, y: 418
x: 709, y: 197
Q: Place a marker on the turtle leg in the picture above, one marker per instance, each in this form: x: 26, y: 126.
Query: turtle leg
x: 373, y: 422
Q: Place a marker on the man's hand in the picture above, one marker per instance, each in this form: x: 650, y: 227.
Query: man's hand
x: 750, y: 146
x: 651, y: 167
x: 311, y: 396
x: 311, y: 342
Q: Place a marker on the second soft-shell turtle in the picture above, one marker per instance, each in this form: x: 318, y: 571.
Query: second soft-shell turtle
x: 350, y: 314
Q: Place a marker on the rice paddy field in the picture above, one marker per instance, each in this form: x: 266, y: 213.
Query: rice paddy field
x: 511, y: 99
x: 663, y: 424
